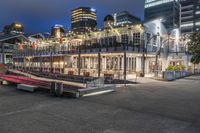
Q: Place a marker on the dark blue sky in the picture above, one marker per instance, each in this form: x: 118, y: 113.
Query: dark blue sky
x: 40, y: 15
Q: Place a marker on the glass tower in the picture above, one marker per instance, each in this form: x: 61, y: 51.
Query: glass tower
x: 167, y: 10
x: 190, y: 16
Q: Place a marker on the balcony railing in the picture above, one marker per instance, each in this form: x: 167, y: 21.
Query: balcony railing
x: 94, y: 48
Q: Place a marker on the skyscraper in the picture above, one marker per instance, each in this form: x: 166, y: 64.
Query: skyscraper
x: 190, y: 16
x: 84, y: 19
x: 167, y: 10
x: 124, y: 18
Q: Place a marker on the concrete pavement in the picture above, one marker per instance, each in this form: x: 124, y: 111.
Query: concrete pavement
x: 150, y: 107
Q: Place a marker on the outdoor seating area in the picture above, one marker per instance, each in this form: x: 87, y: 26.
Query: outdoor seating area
x: 65, y: 77
x: 56, y: 87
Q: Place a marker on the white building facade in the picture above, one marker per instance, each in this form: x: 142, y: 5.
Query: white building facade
x: 124, y: 50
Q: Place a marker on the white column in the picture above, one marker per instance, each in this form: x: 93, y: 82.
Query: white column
x: 118, y: 63
x: 138, y: 64
x: 105, y: 63
x: 122, y: 63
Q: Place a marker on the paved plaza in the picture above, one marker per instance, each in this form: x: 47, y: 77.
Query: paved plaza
x: 149, y: 107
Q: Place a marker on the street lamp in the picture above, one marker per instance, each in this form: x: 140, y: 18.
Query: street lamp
x: 146, y: 41
x: 158, y: 25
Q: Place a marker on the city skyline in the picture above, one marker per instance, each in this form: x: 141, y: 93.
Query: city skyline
x: 36, y: 17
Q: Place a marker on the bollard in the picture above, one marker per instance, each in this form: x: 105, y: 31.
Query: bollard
x: 77, y: 95
x: 53, y: 88
x: 59, y: 89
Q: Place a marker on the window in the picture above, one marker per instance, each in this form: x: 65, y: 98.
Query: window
x: 136, y: 38
x: 154, y: 40
x: 148, y: 38
x: 124, y: 38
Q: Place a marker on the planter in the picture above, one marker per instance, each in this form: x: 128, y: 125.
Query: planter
x: 172, y: 75
x: 183, y: 73
x: 177, y: 74
x: 169, y: 75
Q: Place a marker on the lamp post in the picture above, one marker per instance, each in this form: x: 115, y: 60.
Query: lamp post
x: 99, y: 62
x: 124, y: 64
x: 158, y: 46
x: 145, y: 42
x: 144, y: 50
x: 79, y: 61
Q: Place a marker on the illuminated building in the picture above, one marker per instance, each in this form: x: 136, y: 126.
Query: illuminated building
x: 83, y: 19
x: 190, y: 16
x: 14, y: 28
x: 57, y: 31
x: 168, y: 10
x: 108, y: 21
x: 8, y: 45
x: 117, y: 51
x: 124, y: 18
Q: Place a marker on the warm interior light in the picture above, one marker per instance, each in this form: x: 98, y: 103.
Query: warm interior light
x: 18, y: 25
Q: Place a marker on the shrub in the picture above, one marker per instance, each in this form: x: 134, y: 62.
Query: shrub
x: 170, y: 68
x: 175, y: 68
x: 181, y: 67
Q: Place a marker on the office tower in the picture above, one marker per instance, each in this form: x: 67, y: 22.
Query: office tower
x: 190, y: 16
x: 84, y: 19
x: 167, y: 10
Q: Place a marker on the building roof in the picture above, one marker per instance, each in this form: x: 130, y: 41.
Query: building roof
x: 11, y: 36
x: 36, y: 35
x: 109, y: 18
x: 43, y: 35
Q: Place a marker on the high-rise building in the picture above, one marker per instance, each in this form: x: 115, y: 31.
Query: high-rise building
x: 14, y: 28
x: 84, y: 19
x: 167, y: 10
x: 125, y: 18
x: 190, y: 16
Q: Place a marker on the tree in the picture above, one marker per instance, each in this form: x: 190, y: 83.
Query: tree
x: 194, y: 47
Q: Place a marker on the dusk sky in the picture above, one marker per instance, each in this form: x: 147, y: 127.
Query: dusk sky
x: 40, y: 15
